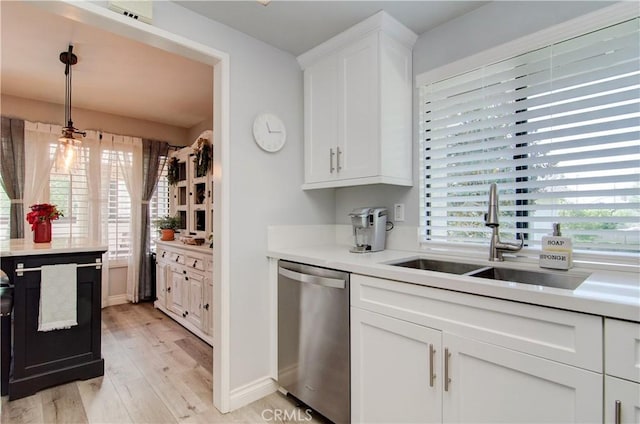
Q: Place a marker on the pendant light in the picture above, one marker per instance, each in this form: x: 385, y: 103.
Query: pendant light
x: 68, y: 147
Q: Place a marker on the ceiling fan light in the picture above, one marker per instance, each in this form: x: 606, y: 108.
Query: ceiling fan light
x: 264, y: 2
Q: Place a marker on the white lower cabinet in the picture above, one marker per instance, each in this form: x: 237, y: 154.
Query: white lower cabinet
x: 622, y: 369
x: 178, y: 291
x: 395, y: 370
x: 184, y: 287
x: 446, y: 364
x: 622, y: 401
x: 196, y: 293
x: 491, y: 384
x: 162, y: 274
x: 207, y: 313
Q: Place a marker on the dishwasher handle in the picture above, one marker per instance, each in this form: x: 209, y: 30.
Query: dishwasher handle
x: 336, y: 283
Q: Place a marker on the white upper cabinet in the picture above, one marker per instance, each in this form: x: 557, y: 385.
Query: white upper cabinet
x: 358, y: 106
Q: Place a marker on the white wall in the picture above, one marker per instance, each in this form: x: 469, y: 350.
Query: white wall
x: 39, y: 111
x: 488, y: 26
x: 265, y: 188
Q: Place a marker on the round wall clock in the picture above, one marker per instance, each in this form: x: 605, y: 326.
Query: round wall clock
x: 269, y: 132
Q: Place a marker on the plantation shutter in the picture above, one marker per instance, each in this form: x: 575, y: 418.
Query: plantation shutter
x: 556, y: 128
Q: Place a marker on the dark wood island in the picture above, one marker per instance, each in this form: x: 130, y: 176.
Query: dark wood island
x: 43, y: 359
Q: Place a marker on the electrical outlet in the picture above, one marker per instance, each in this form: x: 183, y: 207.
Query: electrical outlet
x: 398, y: 212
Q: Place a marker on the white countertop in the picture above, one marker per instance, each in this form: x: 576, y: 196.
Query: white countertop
x: 605, y: 292
x: 204, y: 248
x: 26, y: 247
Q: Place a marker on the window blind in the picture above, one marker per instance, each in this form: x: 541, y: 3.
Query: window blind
x: 556, y: 128
x: 118, y: 205
x: 159, y: 204
x: 70, y: 192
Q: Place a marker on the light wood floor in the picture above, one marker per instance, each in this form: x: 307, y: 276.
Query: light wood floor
x: 155, y: 372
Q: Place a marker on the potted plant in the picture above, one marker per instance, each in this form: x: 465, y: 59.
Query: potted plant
x: 168, y: 226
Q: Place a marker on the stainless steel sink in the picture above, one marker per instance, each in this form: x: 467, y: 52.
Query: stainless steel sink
x: 559, y: 281
x: 439, y: 266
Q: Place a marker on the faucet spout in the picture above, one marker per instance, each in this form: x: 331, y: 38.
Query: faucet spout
x: 497, y: 246
x: 491, y: 218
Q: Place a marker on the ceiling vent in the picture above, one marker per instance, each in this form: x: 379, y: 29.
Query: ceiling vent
x: 141, y: 10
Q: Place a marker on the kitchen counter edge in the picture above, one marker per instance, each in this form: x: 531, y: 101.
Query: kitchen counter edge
x: 597, y: 295
x: 23, y: 247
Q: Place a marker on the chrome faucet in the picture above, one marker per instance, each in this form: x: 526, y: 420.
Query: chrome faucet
x: 491, y: 220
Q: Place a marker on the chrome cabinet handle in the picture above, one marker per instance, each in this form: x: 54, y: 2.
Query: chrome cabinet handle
x: 447, y: 379
x: 331, y: 155
x: 432, y: 376
x: 338, y: 159
x: 617, y: 413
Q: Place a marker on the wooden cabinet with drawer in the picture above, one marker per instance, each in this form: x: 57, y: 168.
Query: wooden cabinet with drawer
x: 183, y: 275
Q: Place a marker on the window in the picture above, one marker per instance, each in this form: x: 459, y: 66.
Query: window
x: 556, y: 128
x: 159, y: 204
x: 70, y: 192
x: 118, y: 204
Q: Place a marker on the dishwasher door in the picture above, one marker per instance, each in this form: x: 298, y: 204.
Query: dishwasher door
x: 313, y: 337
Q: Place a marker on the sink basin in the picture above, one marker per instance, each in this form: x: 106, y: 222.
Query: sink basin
x: 439, y: 266
x: 558, y: 281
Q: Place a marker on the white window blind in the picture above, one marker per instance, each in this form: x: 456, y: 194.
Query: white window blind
x: 556, y: 128
x: 118, y: 205
x: 159, y: 205
x: 70, y: 193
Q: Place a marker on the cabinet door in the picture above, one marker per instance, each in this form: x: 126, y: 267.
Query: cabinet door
x: 392, y: 362
x: 321, y: 120
x: 207, y: 313
x: 622, y: 347
x: 194, y: 281
x: 358, y: 108
x: 161, y: 282
x: 178, y: 293
x: 627, y: 393
x: 491, y: 384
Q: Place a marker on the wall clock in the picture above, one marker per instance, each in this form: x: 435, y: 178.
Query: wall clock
x: 269, y: 132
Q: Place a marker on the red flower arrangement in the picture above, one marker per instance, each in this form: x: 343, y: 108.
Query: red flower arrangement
x: 42, y: 212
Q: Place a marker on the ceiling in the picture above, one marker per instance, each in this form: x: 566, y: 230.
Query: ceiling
x: 114, y: 74
x: 123, y: 77
x: 297, y: 26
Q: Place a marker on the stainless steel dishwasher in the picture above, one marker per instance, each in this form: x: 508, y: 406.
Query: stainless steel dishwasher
x: 313, y: 337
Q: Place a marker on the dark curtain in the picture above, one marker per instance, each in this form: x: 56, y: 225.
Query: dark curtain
x: 12, y: 172
x: 154, y: 157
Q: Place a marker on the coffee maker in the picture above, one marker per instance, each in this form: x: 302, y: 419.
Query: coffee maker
x: 369, y: 229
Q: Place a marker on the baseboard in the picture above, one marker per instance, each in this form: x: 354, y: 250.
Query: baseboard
x: 251, y: 392
x: 115, y: 300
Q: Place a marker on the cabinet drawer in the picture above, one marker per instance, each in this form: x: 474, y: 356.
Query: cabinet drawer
x: 162, y: 255
x: 177, y: 258
x: 194, y: 262
x: 622, y: 349
x: 568, y: 337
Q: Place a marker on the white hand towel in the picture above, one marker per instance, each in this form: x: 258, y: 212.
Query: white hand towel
x: 58, y: 297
